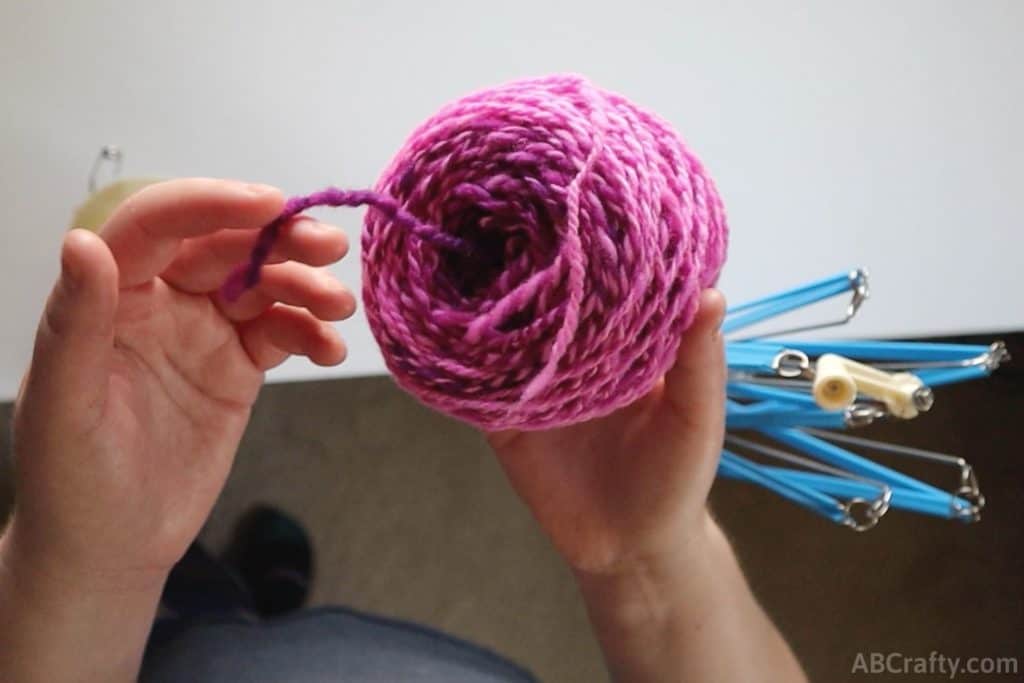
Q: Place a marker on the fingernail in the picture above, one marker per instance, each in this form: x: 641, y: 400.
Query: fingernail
x: 260, y: 189
x: 716, y: 327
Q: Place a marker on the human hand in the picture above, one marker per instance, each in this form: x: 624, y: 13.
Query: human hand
x: 142, y: 377
x: 630, y: 489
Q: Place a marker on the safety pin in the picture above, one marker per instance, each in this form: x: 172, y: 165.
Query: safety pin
x: 871, y: 509
x: 753, y: 312
x: 108, y: 154
x: 968, y: 488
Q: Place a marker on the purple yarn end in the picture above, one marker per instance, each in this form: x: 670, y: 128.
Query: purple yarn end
x: 247, y: 275
x: 240, y: 279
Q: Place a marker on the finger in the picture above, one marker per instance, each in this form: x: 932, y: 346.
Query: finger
x: 695, y: 386
x: 284, y: 331
x: 145, y: 232
x: 294, y: 284
x: 76, y: 334
x: 202, y: 263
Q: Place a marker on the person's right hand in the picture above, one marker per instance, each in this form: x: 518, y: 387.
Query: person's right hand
x: 142, y: 377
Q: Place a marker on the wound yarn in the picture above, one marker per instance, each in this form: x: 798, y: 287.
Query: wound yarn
x: 532, y: 254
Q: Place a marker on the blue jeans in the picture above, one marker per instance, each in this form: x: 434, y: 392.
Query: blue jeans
x: 207, y: 631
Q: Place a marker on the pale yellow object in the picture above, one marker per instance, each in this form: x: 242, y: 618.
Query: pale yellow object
x: 95, y: 210
x: 834, y: 388
x: 838, y: 381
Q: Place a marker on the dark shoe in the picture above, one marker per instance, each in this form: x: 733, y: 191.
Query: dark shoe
x: 200, y: 585
x: 272, y: 554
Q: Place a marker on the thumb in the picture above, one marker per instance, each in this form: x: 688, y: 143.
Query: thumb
x: 74, y: 343
x: 695, y: 386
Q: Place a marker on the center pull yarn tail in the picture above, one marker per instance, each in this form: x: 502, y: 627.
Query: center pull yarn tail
x: 247, y: 275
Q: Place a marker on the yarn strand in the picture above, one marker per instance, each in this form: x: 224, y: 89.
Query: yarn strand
x: 247, y: 275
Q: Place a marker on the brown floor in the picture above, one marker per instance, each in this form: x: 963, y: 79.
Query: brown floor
x: 411, y: 517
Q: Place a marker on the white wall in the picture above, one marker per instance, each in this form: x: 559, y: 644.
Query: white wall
x: 877, y: 133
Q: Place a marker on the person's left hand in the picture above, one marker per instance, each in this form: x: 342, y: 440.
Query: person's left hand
x: 142, y: 377
x: 629, y: 491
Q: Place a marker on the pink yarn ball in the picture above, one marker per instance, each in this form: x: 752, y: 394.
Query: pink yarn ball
x: 593, y: 229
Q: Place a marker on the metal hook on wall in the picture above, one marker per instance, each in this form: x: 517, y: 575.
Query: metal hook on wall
x: 107, y: 189
x: 110, y: 155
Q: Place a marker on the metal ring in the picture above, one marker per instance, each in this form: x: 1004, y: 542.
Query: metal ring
x: 869, y: 512
x: 862, y: 414
x: 969, y: 514
x: 790, y: 363
x: 969, y: 491
x: 996, y: 356
x: 881, y: 505
x: 973, y: 496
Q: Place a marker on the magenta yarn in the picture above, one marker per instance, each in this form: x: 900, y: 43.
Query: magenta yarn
x: 532, y: 254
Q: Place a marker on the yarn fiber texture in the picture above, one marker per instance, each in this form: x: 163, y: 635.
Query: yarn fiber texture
x: 532, y: 254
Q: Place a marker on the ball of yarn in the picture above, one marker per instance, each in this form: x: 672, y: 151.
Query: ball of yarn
x: 587, y: 230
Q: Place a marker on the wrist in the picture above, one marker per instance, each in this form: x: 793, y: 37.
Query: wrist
x: 45, y: 568
x: 679, y: 615
x: 651, y: 588
x: 66, y: 624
